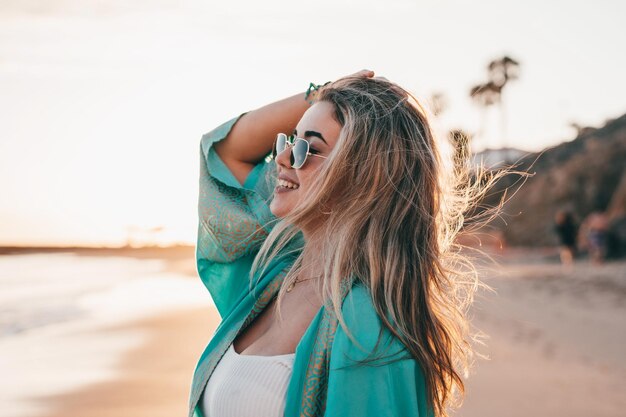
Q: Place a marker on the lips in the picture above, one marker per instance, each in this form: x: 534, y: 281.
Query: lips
x: 286, y: 184
x: 286, y: 178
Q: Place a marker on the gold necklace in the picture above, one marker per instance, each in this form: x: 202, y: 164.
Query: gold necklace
x: 293, y: 284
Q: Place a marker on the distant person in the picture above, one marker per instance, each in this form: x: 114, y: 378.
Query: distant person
x: 597, y: 227
x: 567, y: 231
x: 326, y: 239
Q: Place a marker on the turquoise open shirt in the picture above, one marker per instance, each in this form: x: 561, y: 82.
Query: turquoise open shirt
x: 229, y: 214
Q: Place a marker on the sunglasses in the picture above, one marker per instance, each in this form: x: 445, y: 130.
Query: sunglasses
x: 299, y: 149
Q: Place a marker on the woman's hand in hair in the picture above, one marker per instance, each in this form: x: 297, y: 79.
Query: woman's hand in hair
x: 367, y: 74
x: 363, y: 73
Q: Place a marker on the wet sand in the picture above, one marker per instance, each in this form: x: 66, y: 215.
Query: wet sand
x: 153, y: 380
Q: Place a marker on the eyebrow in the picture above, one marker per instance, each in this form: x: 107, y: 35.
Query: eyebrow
x: 309, y: 133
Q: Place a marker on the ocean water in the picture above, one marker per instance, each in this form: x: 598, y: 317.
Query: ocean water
x: 52, y: 308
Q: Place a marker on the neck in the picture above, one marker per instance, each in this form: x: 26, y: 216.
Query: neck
x: 312, y: 257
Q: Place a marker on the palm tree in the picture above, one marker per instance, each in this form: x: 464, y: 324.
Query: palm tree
x: 460, y: 141
x: 503, y: 70
x: 485, y: 95
x: 500, y: 72
x: 438, y: 103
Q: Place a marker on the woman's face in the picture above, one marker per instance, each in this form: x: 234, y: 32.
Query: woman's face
x: 321, y: 130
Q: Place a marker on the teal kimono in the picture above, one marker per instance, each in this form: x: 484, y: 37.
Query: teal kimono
x: 233, y: 222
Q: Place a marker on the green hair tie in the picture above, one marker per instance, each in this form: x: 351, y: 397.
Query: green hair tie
x: 313, y: 87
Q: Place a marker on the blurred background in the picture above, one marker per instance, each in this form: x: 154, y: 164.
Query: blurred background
x: 102, y: 107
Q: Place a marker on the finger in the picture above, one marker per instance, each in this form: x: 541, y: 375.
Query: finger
x: 363, y: 73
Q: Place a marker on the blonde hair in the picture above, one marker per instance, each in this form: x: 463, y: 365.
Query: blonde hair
x: 393, y: 228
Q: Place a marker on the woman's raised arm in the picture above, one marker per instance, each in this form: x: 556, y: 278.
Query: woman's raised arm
x: 252, y: 136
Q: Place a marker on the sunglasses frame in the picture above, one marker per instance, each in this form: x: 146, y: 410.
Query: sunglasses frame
x: 290, y: 143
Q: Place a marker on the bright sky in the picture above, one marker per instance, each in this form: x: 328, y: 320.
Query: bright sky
x: 102, y: 107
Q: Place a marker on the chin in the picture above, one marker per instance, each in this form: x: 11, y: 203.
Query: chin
x: 279, y: 211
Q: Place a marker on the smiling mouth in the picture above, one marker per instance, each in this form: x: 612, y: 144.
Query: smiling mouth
x: 282, y: 189
x: 287, y: 185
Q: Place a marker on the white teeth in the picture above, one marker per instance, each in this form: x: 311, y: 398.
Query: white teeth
x: 287, y: 184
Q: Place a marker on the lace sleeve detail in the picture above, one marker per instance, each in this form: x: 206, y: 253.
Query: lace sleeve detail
x: 233, y: 219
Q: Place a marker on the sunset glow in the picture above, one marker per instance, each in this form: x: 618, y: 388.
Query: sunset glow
x: 102, y: 107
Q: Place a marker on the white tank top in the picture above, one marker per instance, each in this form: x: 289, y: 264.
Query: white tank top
x: 247, y: 386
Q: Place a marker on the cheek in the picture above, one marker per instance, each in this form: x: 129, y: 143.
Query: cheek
x: 305, y: 182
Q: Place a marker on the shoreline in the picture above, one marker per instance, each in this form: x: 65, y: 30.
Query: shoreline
x: 177, y: 259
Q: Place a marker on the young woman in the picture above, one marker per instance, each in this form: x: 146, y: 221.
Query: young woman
x: 326, y: 242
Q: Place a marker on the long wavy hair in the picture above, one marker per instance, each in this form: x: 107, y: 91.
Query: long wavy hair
x: 394, y: 210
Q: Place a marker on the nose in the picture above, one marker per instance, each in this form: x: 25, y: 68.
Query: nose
x: 284, y: 158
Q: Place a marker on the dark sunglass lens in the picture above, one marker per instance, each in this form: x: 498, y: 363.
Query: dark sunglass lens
x: 299, y: 153
x: 279, y: 144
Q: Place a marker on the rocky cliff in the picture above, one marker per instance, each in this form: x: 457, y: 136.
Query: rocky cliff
x: 584, y: 175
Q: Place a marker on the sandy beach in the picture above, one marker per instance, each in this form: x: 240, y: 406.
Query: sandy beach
x: 154, y: 379
x: 556, y: 338
x: 555, y: 341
